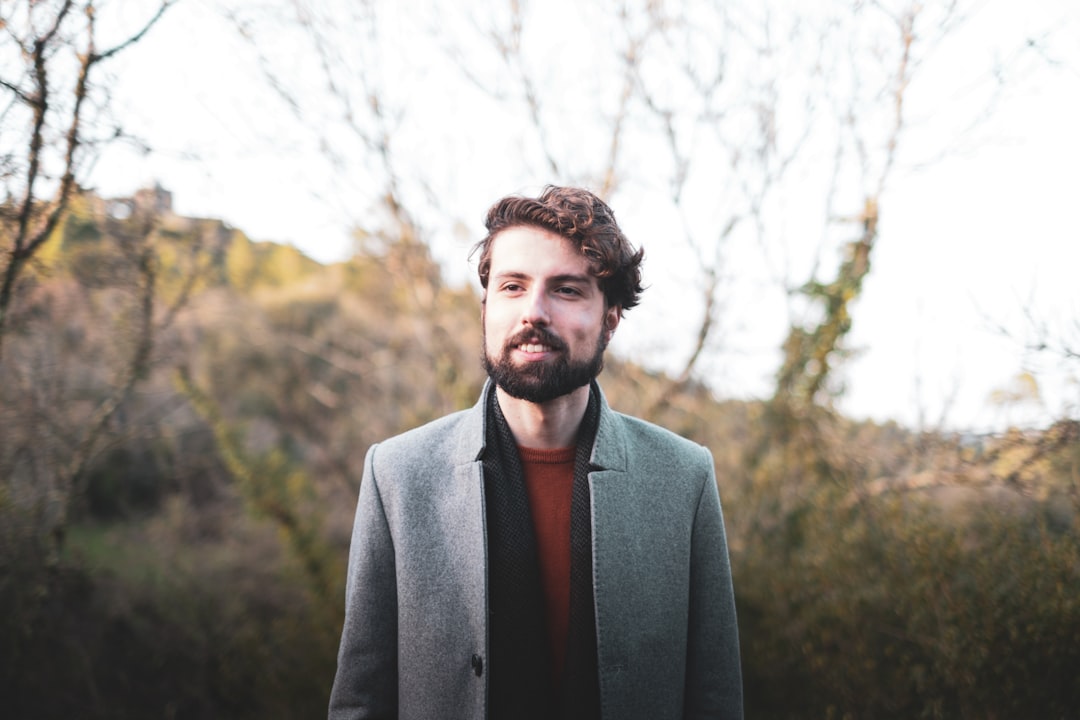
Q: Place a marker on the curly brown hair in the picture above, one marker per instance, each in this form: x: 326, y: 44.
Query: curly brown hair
x: 585, y: 220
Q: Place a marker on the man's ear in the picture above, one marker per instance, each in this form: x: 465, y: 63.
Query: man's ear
x: 612, y: 316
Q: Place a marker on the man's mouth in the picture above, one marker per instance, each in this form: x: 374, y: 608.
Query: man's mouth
x: 537, y: 342
x: 534, y: 348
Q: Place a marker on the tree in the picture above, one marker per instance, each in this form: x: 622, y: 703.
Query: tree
x: 50, y: 55
x: 102, y: 322
x: 742, y: 141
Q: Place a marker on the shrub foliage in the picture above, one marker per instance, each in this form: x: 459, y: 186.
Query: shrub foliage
x: 194, y: 566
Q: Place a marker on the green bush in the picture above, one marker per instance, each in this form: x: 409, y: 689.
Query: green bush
x: 143, y: 622
x: 893, y: 609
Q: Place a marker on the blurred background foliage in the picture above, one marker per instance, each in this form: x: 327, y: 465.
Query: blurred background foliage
x: 191, y: 563
x: 184, y: 411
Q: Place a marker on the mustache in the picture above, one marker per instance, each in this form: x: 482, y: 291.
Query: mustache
x: 539, y: 336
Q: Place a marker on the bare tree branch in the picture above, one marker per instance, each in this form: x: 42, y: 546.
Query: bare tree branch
x: 16, y: 91
x: 36, y: 218
x: 131, y: 40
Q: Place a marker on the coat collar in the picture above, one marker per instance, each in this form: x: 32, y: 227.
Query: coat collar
x: 609, y: 450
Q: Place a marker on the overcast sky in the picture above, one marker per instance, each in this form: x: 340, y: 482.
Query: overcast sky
x: 970, y: 240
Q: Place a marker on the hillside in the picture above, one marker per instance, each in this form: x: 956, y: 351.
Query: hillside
x: 185, y: 414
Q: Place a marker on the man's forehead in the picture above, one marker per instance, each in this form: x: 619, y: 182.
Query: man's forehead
x: 507, y: 236
x: 530, y: 250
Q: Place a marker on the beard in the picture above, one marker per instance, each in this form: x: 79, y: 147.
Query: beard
x: 540, y: 382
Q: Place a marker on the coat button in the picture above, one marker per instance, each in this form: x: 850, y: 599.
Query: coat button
x: 478, y: 665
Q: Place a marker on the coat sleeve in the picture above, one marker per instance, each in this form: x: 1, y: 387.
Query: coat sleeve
x: 366, y: 683
x: 713, y: 670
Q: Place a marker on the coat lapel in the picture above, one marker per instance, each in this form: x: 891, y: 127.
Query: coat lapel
x: 610, y: 489
x: 612, y: 495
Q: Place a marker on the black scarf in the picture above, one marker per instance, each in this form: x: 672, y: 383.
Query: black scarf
x: 519, y: 665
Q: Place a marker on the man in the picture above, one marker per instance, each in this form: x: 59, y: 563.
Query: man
x: 541, y: 556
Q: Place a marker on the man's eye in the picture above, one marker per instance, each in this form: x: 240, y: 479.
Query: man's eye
x: 568, y: 291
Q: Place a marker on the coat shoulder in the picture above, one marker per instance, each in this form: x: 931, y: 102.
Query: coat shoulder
x: 647, y: 444
x: 644, y: 449
x: 655, y: 435
x: 449, y: 440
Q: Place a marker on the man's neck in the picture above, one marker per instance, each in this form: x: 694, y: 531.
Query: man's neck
x: 549, y: 425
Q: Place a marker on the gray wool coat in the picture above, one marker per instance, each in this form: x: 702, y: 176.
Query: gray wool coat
x: 414, y: 642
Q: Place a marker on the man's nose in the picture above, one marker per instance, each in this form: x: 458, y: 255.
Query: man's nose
x: 536, y: 310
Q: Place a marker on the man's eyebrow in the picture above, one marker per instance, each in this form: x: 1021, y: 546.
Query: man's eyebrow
x: 511, y: 275
x: 572, y: 278
x: 576, y: 278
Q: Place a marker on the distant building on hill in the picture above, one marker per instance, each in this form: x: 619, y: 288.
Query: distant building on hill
x: 157, y: 202
x: 154, y: 199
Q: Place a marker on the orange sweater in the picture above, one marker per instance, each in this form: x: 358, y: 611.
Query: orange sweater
x: 549, y: 481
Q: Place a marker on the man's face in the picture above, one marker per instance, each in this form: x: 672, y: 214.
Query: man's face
x: 545, y: 320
